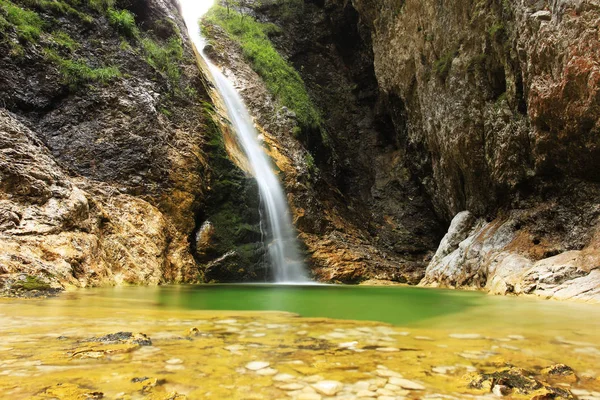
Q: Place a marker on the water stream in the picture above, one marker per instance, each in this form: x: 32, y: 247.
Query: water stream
x: 281, y: 242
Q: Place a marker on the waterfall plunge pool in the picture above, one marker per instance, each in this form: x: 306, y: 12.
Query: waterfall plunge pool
x: 277, y: 342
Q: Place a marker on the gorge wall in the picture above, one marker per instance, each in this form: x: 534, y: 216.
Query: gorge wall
x: 108, y: 154
x: 480, y: 113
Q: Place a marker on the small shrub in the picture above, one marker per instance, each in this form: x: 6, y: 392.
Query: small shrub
x: 123, y: 21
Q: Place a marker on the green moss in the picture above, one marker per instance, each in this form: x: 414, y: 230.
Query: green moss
x: 282, y: 80
x: 123, y: 21
x: 76, y: 72
x: 27, y: 24
x: 443, y: 65
x: 32, y: 283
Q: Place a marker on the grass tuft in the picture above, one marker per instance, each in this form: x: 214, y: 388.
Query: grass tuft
x: 64, y: 41
x: 123, y: 21
x: 76, y: 73
x: 26, y: 23
x: 165, y: 58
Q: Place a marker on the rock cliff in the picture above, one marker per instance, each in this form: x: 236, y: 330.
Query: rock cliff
x: 484, y: 110
x: 108, y: 154
x: 479, y: 118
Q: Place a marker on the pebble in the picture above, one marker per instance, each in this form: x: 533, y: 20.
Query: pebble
x: 283, y: 377
x: 516, y: 337
x: 348, y: 344
x: 291, y: 386
x: 423, y: 338
x: 328, y: 388
x: 387, y: 349
x: 256, y: 365
x: 309, y: 396
x: 313, y: 378
x: 227, y: 321
x: 500, y: 390
x: 443, y: 369
x: 366, y: 393
x: 385, y: 392
x: 174, y: 361
x: 235, y: 347
x: 406, y: 384
x: 467, y: 336
x: 362, y: 385
x: 267, y: 371
x: 386, y: 373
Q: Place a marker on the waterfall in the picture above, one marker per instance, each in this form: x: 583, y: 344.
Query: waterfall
x: 281, y: 242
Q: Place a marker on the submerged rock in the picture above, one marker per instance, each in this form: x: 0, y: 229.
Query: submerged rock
x: 123, y: 337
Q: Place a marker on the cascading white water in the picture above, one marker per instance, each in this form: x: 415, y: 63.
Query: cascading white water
x: 282, y: 247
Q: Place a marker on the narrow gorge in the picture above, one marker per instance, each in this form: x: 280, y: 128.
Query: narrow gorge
x: 442, y: 144
x: 269, y: 199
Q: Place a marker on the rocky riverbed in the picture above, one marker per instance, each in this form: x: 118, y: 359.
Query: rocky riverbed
x: 67, y: 348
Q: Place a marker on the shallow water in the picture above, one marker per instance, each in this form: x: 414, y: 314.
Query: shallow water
x: 204, y: 337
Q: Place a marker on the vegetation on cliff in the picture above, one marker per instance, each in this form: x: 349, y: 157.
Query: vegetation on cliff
x: 281, y: 78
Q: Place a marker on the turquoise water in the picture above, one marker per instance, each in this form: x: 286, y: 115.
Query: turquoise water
x: 393, y: 305
x: 397, y: 305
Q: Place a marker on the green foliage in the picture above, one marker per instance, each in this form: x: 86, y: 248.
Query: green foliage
x: 444, y: 64
x: 282, y: 80
x: 101, y: 5
x: 165, y: 58
x: 497, y: 31
x: 63, y: 40
x: 27, y: 24
x: 290, y: 9
x: 310, y: 163
x: 76, y: 73
x: 123, y: 21
x: 58, y: 7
